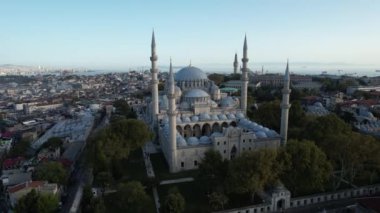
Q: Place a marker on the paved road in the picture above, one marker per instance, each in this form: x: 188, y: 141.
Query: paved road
x: 80, y: 176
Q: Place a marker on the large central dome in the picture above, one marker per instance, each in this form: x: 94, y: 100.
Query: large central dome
x: 190, y: 73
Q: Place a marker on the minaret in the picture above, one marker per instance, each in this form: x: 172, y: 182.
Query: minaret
x: 172, y: 115
x: 244, y: 78
x: 236, y: 64
x: 154, y: 85
x: 285, y: 106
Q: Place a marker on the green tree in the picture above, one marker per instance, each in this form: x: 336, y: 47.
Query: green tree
x: 35, y: 202
x: 53, y: 142
x: 123, y: 108
x: 174, y: 202
x: 252, y: 171
x: 19, y: 149
x: 309, y: 169
x: 213, y: 169
x: 216, y: 78
x: 217, y: 200
x: 52, y: 172
x: 268, y: 114
x: 131, y: 197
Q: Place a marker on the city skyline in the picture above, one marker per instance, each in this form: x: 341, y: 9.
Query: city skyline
x: 117, y: 36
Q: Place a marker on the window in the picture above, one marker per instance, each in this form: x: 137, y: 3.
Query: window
x: 249, y: 148
x: 250, y: 140
x: 243, y: 149
x: 243, y: 140
x: 225, y: 143
x: 195, y: 163
x: 182, y: 164
x: 224, y: 151
x: 218, y: 143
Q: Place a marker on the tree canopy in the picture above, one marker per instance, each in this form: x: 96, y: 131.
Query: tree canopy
x: 252, y: 171
x: 213, y: 169
x: 51, y: 171
x: 307, y: 170
x: 133, y: 198
x: 35, y: 202
x: 174, y: 202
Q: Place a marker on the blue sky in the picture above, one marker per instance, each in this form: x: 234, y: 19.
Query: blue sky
x: 116, y: 34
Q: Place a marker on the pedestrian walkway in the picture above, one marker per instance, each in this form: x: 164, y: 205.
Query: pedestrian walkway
x: 150, y: 173
x: 180, y: 180
x: 148, y: 163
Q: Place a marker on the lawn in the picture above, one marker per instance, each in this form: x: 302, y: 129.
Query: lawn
x: 134, y: 167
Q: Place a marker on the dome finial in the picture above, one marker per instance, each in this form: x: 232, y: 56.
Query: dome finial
x: 190, y: 63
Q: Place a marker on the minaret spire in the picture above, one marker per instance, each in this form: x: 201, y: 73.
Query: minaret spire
x: 244, y: 77
x: 236, y: 64
x: 285, y: 106
x: 153, y: 41
x: 154, y: 81
x: 172, y: 116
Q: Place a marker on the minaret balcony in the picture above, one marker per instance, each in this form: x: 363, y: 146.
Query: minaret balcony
x: 153, y: 58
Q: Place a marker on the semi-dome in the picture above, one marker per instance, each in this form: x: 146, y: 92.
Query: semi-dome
x: 190, y: 73
x: 196, y: 93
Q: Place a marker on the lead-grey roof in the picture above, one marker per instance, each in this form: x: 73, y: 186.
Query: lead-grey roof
x: 190, y: 73
x: 196, y: 93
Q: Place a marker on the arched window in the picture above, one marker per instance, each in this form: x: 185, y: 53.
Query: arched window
x: 206, y: 129
x: 197, y: 131
x: 216, y: 127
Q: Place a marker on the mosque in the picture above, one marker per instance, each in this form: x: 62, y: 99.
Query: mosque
x: 193, y: 116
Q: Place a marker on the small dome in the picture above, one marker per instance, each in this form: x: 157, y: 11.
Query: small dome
x: 204, y: 140
x: 196, y: 93
x: 186, y: 119
x: 184, y: 105
x: 261, y: 134
x: 194, y: 118
x: 231, y: 116
x: 205, y: 117
x: 214, y: 117
x: 240, y: 115
x: 318, y: 104
x: 227, y: 102
x: 216, y: 134
x: 193, y: 141
x: 222, y: 117
x: 190, y: 73
x: 181, y: 141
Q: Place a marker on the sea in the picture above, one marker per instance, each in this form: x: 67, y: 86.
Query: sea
x: 263, y: 68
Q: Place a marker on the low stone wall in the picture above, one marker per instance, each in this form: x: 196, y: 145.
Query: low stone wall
x: 338, y: 195
x: 264, y: 207
x: 309, y: 200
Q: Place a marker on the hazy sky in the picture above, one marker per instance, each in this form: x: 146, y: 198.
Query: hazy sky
x: 116, y: 34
